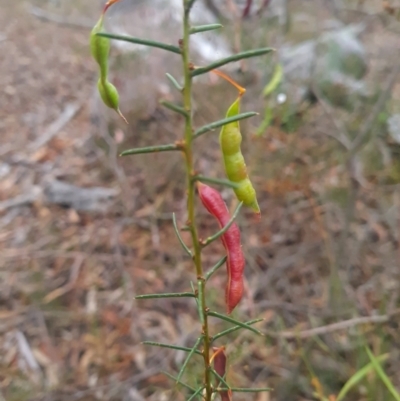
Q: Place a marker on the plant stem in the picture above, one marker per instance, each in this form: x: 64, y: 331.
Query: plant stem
x: 188, y: 150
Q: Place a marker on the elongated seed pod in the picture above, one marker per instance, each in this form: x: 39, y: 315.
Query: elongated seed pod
x: 219, y: 358
x: 100, y: 48
x: 235, y: 167
x: 109, y: 95
x: 213, y: 202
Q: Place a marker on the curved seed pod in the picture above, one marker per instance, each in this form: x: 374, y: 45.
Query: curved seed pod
x: 100, y: 47
x: 213, y: 202
x: 219, y: 358
x: 235, y: 167
x: 109, y: 95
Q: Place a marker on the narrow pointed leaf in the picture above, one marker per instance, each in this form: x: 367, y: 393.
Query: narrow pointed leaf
x: 234, y: 321
x: 175, y: 347
x: 166, y: 295
x: 213, y: 371
x: 178, y: 109
x: 382, y: 375
x: 216, y: 267
x: 235, y: 328
x: 230, y: 59
x: 184, y: 246
x: 243, y: 390
x: 139, y: 41
x: 358, y: 376
x: 194, y: 395
x: 205, y: 28
x: 210, y: 180
x: 174, y: 82
x: 214, y: 237
x: 224, y: 121
x: 151, y: 149
x: 193, y: 350
x: 178, y: 381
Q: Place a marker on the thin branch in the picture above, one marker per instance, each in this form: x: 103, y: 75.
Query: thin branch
x: 345, y: 324
x: 69, y: 112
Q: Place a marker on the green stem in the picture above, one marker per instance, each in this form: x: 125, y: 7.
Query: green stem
x: 188, y: 150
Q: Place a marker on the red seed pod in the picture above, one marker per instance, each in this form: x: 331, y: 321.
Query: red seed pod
x: 216, y: 206
x: 219, y: 358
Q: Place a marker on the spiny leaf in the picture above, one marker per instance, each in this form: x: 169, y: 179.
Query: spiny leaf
x: 192, y: 351
x: 224, y: 121
x: 175, y: 347
x: 234, y: 321
x: 205, y: 28
x: 230, y: 59
x: 178, y: 381
x: 221, y: 232
x: 184, y: 246
x: 210, y: 180
x: 166, y: 295
x: 177, y: 109
x: 139, y: 41
x: 174, y: 82
x: 151, y: 149
x: 213, y: 371
x: 199, y: 390
x: 216, y: 267
x: 235, y: 328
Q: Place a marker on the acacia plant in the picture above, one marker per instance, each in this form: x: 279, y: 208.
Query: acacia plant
x: 213, y: 382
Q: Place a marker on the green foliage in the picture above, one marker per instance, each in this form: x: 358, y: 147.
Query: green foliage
x: 109, y: 94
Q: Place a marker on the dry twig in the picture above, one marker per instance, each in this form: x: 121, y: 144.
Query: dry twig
x: 345, y: 324
x: 71, y: 109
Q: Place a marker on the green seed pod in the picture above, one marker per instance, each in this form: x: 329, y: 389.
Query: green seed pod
x: 109, y: 95
x: 100, y: 47
x: 235, y: 167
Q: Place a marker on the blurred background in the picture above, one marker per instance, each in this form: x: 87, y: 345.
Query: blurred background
x: 83, y: 231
